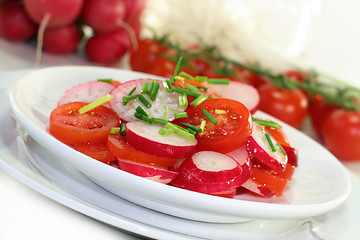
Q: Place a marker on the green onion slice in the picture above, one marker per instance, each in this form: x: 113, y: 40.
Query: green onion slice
x: 218, y: 81
x: 107, y: 80
x: 187, y: 92
x: 198, y: 100
x: 209, y: 116
x: 123, y: 129
x: 95, y: 103
x: 114, y: 130
x: 195, y: 128
x: 268, y: 138
x: 179, y: 131
x: 181, y: 115
x: 266, y: 123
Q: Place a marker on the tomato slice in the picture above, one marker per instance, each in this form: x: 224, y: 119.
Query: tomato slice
x: 232, y: 129
x: 71, y: 127
x: 279, y: 135
x: 119, y: 147
x: 99, y: 151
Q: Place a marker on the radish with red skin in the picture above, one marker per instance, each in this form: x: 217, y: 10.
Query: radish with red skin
x: 163, y: 100
x: 15, y: 24
x: 85, y: 92
x: 108, y: 47
x: 292, y: 154
x: 241, y: 155
x: 134, y: 9
x: 244, y: 93
x: 61, y: 12
x: 209, y: 172
x: 260, y: 148
x: 226, y: 194
x: 147, y: 171
x: 62, y: 40
x: 145, y: 137
x: 103, y: 15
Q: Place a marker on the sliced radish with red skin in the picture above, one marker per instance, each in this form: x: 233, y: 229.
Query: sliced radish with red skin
x: 244, y: 93
x: 163, y: 99
x: 86, y: 92
x: 292, y: 154
x: 145, y: 137
x: 241, y: 155
x: 147, y: 171
x: 208, y: 167
x: 226, y: 194
x: 177, y: 165
x: 259, y: 147
x: 257, y: 188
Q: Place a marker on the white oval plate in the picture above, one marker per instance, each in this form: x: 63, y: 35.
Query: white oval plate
x: 320, y: 183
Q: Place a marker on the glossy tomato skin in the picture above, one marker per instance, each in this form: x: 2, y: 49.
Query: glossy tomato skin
x: 161, y: 67
x: 232, y: 130
x: 290, y: 106
x: 146, y: 52
x: 119, y: 147
x: 97, y: 151
x: 341, y: 134
x: 71, y: 127
x: 319, y: 111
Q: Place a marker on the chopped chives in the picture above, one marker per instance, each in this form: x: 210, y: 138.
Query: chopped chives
x: 132, y: 91
x: 177, y: 69
x: 209, y: 116
x: 281, y: 148
x: 218, y: 81
x: 202, y: 125
x: 95, y: 103
x: 191, y: 87
x: 144, y: 88
x: 140, y: 110
x: 268, y: 138
x: 158, y: 120
x: 114, y: 130
x: 179, y: 131
x: 220, y: 111
x: 195, y: 128
x: 174, y: 110
x: 198, y: 100
x: 201, y: 78
x: 183, y: 101
x: 186, y: 75
x: 127, y: 99
x: 142, y: 117
x: 154, y: 91
x: 151, y: 86
x: 191, y: 131
x: 123, y: 129
x: 187, y: 92
x: 180, y: 78
x: 144, y: 101
x: 203, y: 88
x: 181, y: 115
x: 107, y: 80
x: 168, y: 86
x: 166, y: 131
x: 266, y: 123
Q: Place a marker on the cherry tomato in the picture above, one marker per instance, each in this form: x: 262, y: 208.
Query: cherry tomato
x: 230, y: 132
x: 249, y: 77
x: 119, y: 147
x: 290, y: 106
x: 71, y: 127
x: 98, y: 151
x: 161, y: 67
x: 319, y: 112
x: 341, y: 133
x: 146, y: 52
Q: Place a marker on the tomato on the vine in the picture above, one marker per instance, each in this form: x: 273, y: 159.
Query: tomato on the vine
x: 319, y: 111
x: 341, y: 133
x: 232, y: 129
x: 146, y: 52
x: 290, y: 106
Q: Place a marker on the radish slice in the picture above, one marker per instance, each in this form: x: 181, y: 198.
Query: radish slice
x: 260, y: 148
x: 244, y: 93
x: 292, y: 154
x: 86, y: 92
x: 145, y: 137
x: 242, y: 156
x: 227, y: 194
x: 146, y: 171
x: 163, y: 100
x: 209, y: 172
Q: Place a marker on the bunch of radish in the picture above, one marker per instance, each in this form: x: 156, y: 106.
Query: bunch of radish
x: 152, y: 142
x: 59, y: 25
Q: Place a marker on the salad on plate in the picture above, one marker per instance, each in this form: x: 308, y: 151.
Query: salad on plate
x: 191, y: 132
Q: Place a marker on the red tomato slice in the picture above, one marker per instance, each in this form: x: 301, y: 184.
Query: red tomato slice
x: 279, y: 135
x: 231, y: 131
x: 71, y: 127
x: 268, y: 181
x: 99, y: 151
x: 119, y: 147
